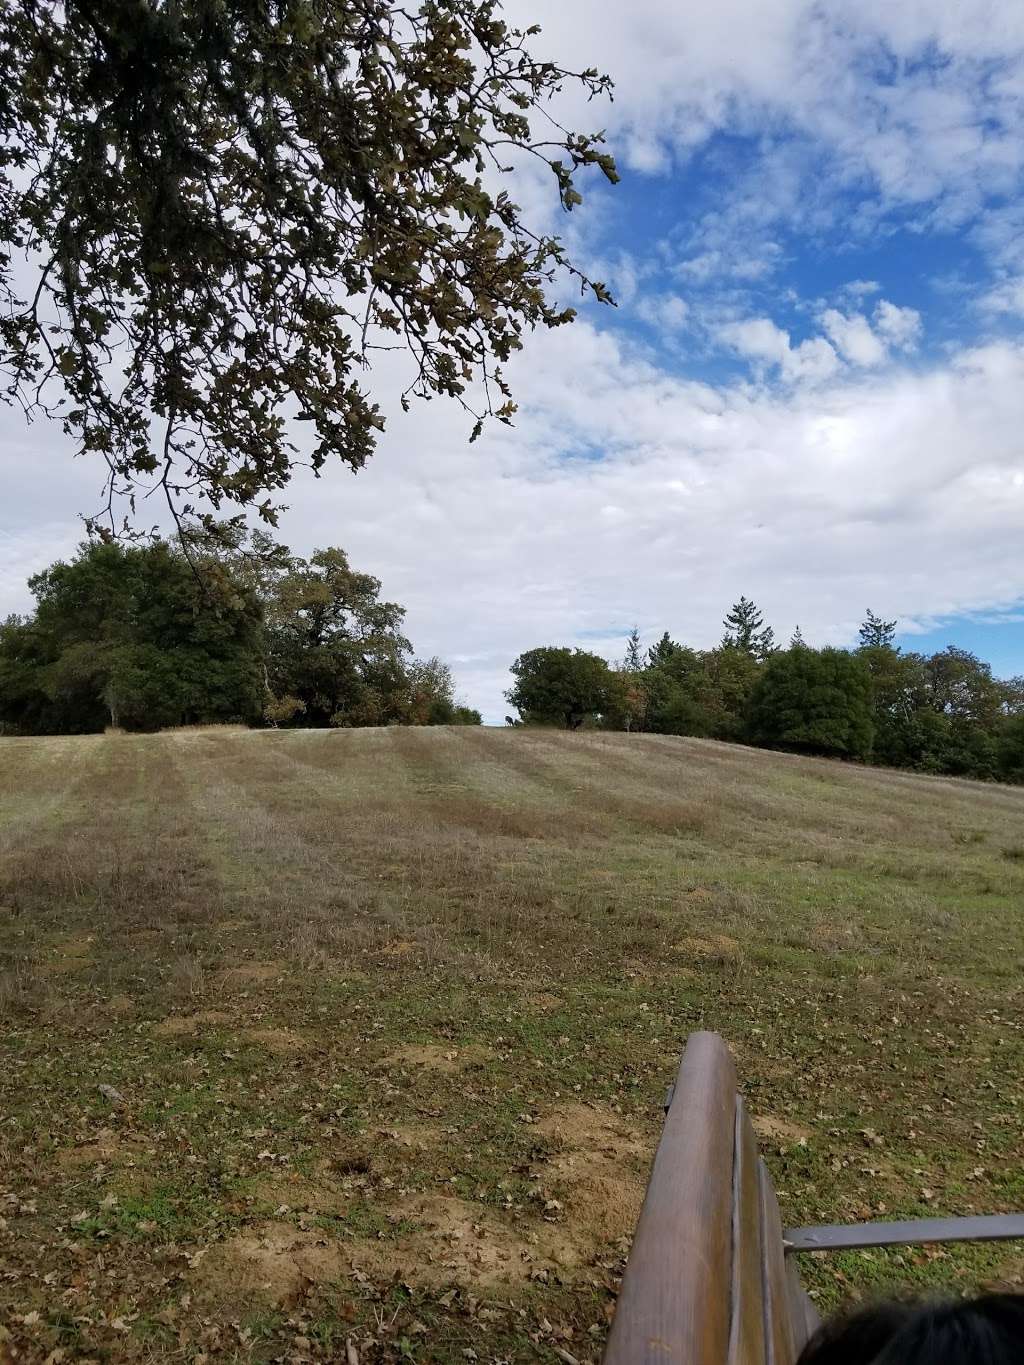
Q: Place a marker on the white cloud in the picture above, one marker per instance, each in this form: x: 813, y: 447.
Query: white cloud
x: 1006, y: 297
x: 850, y: 336
x: 866, y: 345
x: 760, y: 340
x: 901, y: 327
x: 902, y: 490
x: 917, y: 105
x: 820, y: 66
x: 859, y: 289
x: 853, y: 337
x: 668, y: 312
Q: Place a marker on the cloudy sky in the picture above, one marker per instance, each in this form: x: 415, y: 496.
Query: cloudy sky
x: 812, y: 388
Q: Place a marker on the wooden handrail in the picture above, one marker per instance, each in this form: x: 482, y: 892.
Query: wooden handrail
x: 712, y: 1278
x: 674, y: 1301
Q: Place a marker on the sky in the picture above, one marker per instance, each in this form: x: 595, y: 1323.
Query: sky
x: 811, y: 390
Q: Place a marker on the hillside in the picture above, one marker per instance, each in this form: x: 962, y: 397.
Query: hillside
x: 389, y: 1015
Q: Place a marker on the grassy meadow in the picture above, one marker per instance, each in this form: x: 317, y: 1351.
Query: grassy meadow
x: 352, y: 1045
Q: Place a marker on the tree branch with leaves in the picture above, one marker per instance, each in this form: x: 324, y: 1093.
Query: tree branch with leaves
x: 230, y: 208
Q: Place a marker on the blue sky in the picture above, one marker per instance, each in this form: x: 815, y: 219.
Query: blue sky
x: 811, y: 392
x: 999, y: 642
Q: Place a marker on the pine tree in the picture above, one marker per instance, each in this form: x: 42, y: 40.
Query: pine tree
x: 745, y: 629
x: 663, y: 652
x: 633, y: 662
x: 876, y: 633
x: 796, y: 640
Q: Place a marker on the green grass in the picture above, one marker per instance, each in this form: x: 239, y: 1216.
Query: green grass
x: 392, y: 1014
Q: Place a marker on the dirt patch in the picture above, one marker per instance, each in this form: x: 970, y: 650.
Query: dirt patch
x: 106, y: 1148
x: 297, y: 1193
x: 545, y: 1001
x: 120, y: 1005
x: 581, y: 1126
x: 775, y: 1129
x: 282, y: 1042
x: 69, y: 956
x: 714, y: 946
x: 419, y: 1137
x: 451, y: 1241
x: 439, y: 1241
x: 599, y: 1174
x: 252, y: 973
x: 433, y: 1057
x: 276, y: 1262
x: 190, y: 1025
x: 401, y: 947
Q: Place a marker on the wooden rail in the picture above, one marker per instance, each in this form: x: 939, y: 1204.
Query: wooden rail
x: 711, y: 1279
x: 707, y: 1280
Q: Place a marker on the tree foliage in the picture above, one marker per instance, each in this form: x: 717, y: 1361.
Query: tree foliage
x: 557, y: 686
x: 333, y: 645
x: 745, y: 630
x: 134, y: 637
x: 877, y: 634
x: 634, y: 660
x: 943, y: 713
x: 230, y: 209
x: 663, y: 651
x: 815, y: 701
x: 128, y: 636
x: 430, y: 698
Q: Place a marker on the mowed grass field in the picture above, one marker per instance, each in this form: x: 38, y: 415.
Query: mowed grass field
x: 386, y: 1017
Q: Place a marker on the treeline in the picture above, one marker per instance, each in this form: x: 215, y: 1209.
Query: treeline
x: 219, y: 628
x: 938, y: 713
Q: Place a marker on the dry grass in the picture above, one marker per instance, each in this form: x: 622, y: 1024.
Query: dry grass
x: 391, y: 1014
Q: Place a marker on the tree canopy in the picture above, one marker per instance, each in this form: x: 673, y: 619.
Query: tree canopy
x: 333, y: 646
x: 555, y: 686
x: 133, y: 637
x: 128, y: 636
x: 943, y: 713
x: 229, y: 210
x: 816, y: 701
x: 877, y: 634
x: 745, y: 629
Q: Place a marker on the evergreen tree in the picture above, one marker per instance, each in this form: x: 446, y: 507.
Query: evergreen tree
x: 796, y: 640
x: 663, y: 652
x: 633, y: 662
x: 745, y: 630
x: 876, y: 633
x: 814, y: 701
